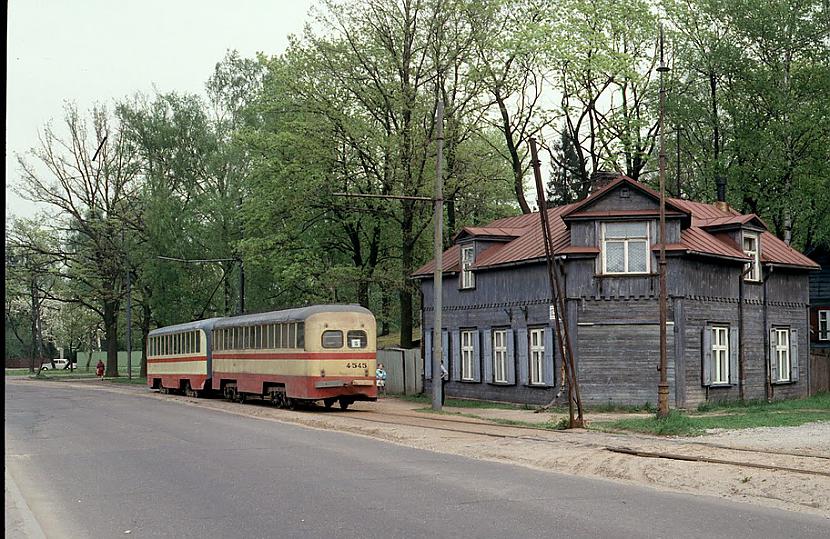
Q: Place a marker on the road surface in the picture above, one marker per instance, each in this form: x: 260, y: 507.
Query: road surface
x: 102, y: 464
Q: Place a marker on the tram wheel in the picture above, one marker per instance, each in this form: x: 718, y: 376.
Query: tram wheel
x: 240, y: 398
x: 344, y: 404
x: 328, y: 403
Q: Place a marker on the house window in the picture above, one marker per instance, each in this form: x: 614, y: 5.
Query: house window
x: 467, y: 350
x: 824, y: 325
x: 751, y: 250
x: 720, y: 355
x: 782, y: 354
x: 500, y: 356
x: 625, y: 248
x: 537, y: 355
x: 468, y: 280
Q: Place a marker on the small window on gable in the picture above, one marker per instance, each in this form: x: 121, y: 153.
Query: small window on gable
x: 468, y: 279
x: 824, y: 325
x: 752, y: 250
x: 625, y: 248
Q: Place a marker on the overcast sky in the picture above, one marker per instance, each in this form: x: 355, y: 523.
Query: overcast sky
x: 90, y: 51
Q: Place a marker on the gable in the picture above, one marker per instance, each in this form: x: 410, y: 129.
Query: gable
x: 623, y: 197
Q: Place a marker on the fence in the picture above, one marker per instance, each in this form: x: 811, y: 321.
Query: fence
x: 819, y: 371
x: 403, y: 370
x: 122, y: 361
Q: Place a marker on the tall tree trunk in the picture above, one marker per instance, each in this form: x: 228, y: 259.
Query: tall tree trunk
x: 385, y: 311
x: 111, y: 331
x: 33, y: 347
x: 407, y: 258
x: 515, y: 159
x: 145, y: 332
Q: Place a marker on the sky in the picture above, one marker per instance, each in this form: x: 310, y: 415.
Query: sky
x: 102, y: 51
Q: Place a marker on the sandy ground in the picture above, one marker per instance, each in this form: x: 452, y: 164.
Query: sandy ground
x: 585, y: 452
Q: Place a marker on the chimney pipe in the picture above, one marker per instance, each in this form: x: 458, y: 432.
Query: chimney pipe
x: 601, y: 178
x: 721, y: 185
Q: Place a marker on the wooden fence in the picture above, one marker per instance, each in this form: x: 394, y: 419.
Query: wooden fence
x: 819, y: 371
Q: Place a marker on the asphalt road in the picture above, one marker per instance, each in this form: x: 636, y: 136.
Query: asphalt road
x: 100, y: 464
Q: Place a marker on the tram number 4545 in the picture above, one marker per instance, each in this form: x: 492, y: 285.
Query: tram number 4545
x: 353, y: 365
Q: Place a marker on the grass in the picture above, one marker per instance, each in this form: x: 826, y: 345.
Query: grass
x: 737, y: 415
x: 821, y: 401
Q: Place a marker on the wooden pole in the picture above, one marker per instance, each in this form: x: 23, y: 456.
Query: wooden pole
x: 437, y: 279
x: 560, y: 323
x: 663, y: 386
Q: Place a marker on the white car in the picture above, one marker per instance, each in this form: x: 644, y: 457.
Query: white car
x: 59, y: 364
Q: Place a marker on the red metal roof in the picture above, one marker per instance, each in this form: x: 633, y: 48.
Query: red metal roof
x: 490, y: 231
x: 528, y: 244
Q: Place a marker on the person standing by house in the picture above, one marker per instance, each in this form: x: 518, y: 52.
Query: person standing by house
x: 445, y: 375
x: 380, y: 378
x: 99, y: 369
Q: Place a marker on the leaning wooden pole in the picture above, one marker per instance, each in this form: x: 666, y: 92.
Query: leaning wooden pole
x: 560, y: 322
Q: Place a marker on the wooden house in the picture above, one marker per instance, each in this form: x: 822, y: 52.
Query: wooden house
x: 738, y: 300
x: 820, y: 321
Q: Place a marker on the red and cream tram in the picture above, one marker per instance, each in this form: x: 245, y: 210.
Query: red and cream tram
x: 317, y: 353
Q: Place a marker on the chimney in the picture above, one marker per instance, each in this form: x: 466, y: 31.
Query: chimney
x: 721, y: 203
x: 601, y: 178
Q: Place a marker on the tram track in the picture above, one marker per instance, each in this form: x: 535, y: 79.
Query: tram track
x: 815, y: 463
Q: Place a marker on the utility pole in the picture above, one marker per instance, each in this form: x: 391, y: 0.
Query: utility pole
x: 438, y: 246
x: 438, y: 271
x: 663, y: 386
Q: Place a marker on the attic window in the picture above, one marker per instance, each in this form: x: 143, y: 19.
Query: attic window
x: 751, y: 249
x: 625, y: 248
x: 625, y: 193
x: 468, y: 280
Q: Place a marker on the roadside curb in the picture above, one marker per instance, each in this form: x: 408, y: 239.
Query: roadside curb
x: 18, y: 511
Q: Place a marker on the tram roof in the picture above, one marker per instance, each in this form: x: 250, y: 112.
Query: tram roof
x: 289, y: 315
x: 206, y: 325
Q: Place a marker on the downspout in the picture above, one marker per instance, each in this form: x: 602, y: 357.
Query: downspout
x: 766, y: 339
x: 741, y: 358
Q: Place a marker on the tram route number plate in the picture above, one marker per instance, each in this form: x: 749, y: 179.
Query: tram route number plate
x: 357, y: 365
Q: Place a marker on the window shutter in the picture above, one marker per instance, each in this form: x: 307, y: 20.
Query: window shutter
x: 733, y: 356
x: 455, y: 359
x: 773, y: 361
x: 428, y: 354
x: 487, y: 355
x: 521, y: 355
x: 550, y: 364
x: 445, y: 350
x: 794, y: 355
x: 476, y: 356
x: 707, y: 355
x: 511, y: 358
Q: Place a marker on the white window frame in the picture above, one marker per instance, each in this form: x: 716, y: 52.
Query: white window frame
x: 467, y: 355
x: 720, y: 355
x: 824, y: 334
x: 500, y: 356
x: 536, y: 347
x: 625, y: 242
x: 783, y: 357
x: 468, y: 278
x: 754, y: 273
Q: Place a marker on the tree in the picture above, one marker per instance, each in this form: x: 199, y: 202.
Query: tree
x: 89, y: 177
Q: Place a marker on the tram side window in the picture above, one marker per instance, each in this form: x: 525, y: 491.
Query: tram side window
x: 300, y: 335
x: 357, y: 338
x: 259, y: 337
x: 292, y: 335
x: 332, y: 339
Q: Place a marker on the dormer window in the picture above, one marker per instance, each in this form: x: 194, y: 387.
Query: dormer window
x: 468, y: 279
x: 753, y: 252
x: 625, y: 248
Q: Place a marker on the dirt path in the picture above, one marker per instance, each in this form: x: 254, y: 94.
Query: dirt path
x: 581, y: 452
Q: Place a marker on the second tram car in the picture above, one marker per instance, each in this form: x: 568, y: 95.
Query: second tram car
x: 317, y: 353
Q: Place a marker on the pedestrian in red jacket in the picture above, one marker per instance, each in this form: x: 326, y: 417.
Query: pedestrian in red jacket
x: 99, y: 369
